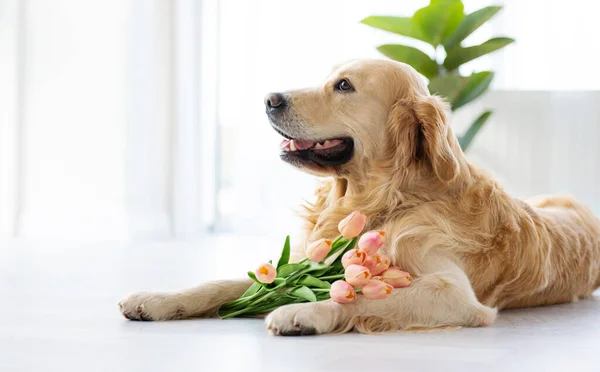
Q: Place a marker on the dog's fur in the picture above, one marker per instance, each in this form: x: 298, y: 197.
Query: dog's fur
x: 472, y: 248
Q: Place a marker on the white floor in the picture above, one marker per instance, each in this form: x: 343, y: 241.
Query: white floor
x: 58, y: 312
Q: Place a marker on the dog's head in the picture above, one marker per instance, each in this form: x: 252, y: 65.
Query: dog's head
x: 366, y: 112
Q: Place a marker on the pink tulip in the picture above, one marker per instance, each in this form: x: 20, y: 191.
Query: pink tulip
x: 266, y: 273
x: 396, y: 277
x: 352, y: 225
x: 318, y: 250
x: 353, y: 257
x: 371, y: 241
x: 342, y: 292
x: 377, y: 264
x: 376, y: 290
x: 357, y: 275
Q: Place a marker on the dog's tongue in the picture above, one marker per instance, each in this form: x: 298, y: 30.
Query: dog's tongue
x: 302, y: 144
x: 294, y: 145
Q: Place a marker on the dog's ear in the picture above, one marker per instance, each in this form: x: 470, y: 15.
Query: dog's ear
x: 420, y: 133
x: 440, y: 143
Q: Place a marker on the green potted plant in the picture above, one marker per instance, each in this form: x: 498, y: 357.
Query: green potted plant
x: 444, y: 25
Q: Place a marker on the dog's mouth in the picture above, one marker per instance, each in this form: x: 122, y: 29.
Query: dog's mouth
x: 330, y: 152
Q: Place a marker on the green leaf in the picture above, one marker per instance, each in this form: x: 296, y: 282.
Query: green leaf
x: 253, y: 277
x: 287, y: 269
x: 439, y: 19
x: 399, y: 25
x: 311, y: 281
x: 322, y: 296
x: 476, y: 85
x: 277, y: 283
x: 304, y: 293
x: 348, y: 244
x: 322, y: 271
x: 339, y: 241
x: 412, y: 56
x: 459, y: 56
x: 315, y: 266
x: 466, y: 139
x: 337, y: 267
x: 460, y: 90
x: 252, y: 290
x: 285, y: 253
x: 469, y: 24
x: 448, y: 86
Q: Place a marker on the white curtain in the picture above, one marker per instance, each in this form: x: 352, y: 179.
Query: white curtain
x: 100, y: 120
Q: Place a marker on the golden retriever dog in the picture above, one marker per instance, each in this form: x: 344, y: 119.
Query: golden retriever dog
x: 386, y: 149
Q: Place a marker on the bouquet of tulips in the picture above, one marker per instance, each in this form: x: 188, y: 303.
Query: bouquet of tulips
x: 320, y: 276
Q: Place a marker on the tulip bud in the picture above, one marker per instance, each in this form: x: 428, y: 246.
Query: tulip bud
x: 371, y: 241
x: 357, y: 275
x: 376, y: 290
x: 266, y: 273
x: 396, y: 277
x: 317, y: 250
x: 352, y: 225
x: 342, y: 292
x: 377, y: 264
x: 353, y: 257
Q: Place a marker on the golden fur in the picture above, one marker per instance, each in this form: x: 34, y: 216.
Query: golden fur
x: 471, y: 247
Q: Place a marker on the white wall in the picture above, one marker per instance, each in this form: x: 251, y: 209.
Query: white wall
x: 540, y: 142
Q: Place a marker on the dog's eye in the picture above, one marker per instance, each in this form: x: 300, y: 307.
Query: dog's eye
x: 344, y: 85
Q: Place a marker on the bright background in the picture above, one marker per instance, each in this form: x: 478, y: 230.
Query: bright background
x: 143, y: 119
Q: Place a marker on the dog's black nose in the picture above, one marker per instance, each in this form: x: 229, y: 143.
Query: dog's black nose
x: 275, y: 101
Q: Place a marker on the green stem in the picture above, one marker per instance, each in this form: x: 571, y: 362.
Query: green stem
x: 319, y: 290
x: 336, y: 240
x: 245, y: 299
x: 248, y: 309
x: 329, y: 277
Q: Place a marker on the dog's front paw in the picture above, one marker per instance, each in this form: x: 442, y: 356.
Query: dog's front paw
x: 304, y: 319
x: 151, y: 306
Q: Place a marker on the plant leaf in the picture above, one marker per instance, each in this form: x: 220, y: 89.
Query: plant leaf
x: 469, y: 24
x: 277, y: 283
x: 459, y: 56
x: 476, y: 85
x: 399, y: 25
x: 315, y: 266
x: 466, y: 139
x: 285, y: 253
x: 348, y: 244
x: 252, y: 290
x: 321, y: 296
x: 412, y: 56
x: 287, y: 269
x: 311, y: 281
x: 253, y: 277
x: 337, y: 243
x: 460, y: 90
x: 304, y: 293
x: 438, y: 19
x: 322, y: 271
x: 448, y: 86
